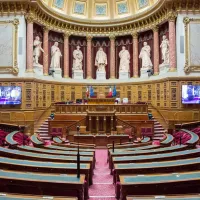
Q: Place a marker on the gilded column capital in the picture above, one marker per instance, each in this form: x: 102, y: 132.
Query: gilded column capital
x: 30, y: 18
x: 46, y: 29
x: 112, y: 37
x: 172, y: 16
x: 155, y: 28
x: 135, y: 35
x: 66, y: 34
x: 89, y: 37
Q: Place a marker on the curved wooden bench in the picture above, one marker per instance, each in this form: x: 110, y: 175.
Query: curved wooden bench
x: 66, y: 148
x: 10, y: 141
x: 38, y: 183
x: 156, y: 157
x: 56, y: 152
x: 46, y: 167
x: 194, y: 138
x: 160, y: 184
x: 166, y: 197
x: 146, y: 152
x: 167, y: 140
x: 36, y: 141
x: 6, y: 196
x: 183, y: 165
x: 44, y: 157
x: 130, y: 145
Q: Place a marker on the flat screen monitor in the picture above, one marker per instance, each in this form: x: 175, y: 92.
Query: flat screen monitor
x: 191, y: 94
x: 10, y: 95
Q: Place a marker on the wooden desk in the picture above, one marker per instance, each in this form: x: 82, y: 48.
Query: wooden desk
x: 161, y: 184
x: 101, y: 140
x: 42, y: 184
x: 101, y: 100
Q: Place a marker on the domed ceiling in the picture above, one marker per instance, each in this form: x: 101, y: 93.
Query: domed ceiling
x: 99, y: 11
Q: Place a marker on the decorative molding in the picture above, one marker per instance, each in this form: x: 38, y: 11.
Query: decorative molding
x: 14, y: 68
x: 39, y: 13
x: 188, y: 66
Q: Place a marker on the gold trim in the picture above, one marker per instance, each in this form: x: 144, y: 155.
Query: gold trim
x: 172, y: 70
x: 14, y: 68
x: 29, y: 71
x: 188, y: 67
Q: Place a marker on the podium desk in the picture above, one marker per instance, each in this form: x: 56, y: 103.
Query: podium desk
x: 101, y: 101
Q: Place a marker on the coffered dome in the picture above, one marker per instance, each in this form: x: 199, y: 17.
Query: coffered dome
x: 100, y: 11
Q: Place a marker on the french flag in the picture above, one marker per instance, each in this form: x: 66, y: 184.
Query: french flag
x: 110, y: 92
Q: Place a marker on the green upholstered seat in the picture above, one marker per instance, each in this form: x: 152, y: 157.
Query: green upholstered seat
x: 9, y: 138
x: 35, y: 140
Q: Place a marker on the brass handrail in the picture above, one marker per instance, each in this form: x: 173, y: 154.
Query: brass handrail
x: 166, y: 122
x: 46, y: 111
x: 76, y: 123
x: 126, y: 123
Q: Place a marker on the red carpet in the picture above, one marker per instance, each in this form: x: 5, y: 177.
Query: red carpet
x: 102, y: 188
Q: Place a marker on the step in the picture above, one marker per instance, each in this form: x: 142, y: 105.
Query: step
x: 44, y: 125
x: 157, y: 125
x: 159, y: 131
x: 159, y: 135
x: 45, y: 132
x: 43, y: 128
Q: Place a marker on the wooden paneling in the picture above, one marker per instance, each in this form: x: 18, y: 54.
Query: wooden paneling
x: 164, y: 94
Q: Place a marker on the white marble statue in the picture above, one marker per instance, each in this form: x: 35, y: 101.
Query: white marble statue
x: 55, y: 56
x: 101, y: 60
x: 165, y: 50
x: 145, y: 56
x: 37, y: 49
x: 124, y: 60
x: 77, y: 59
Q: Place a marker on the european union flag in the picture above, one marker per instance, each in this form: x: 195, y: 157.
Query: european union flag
x: 91, y: 91
x: 114, y: 93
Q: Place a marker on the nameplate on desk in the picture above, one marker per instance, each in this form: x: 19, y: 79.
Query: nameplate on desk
x: 47, y: 197
x: 160, y: 197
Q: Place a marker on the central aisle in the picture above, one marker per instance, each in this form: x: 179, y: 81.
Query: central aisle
x: 102, y: 188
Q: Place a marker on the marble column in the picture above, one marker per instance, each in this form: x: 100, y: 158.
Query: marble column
x: 29, y: 45
x: 156, y: 49
x: 89, y: 57
x: 112, y: 57
x: 172, y: 43
x: 66, y: 55
x: 46, y: 51
x: 135, y: 55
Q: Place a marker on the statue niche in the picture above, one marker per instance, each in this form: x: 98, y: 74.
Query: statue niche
x: 101, y: 62
x: 77, y: 70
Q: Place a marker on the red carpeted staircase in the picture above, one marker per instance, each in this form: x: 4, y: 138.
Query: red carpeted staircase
x: 43, y: 131
x: 102, y: 188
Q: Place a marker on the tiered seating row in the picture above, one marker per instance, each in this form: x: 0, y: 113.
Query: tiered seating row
x: 58, y: 169
x: 157, y: 170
